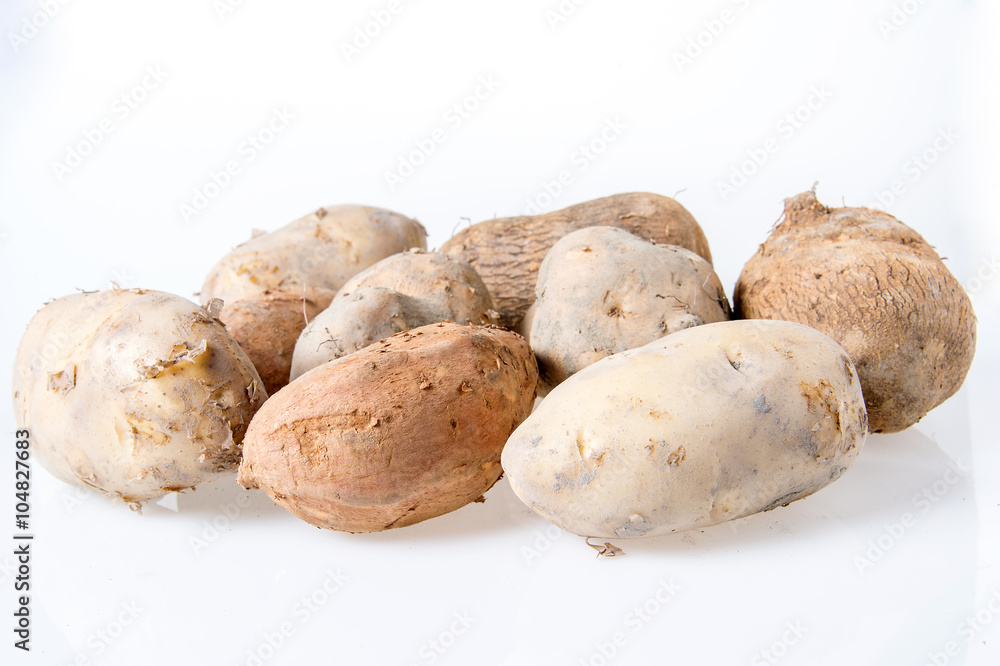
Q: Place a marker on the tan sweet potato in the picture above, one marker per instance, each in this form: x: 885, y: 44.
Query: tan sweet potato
x: 507, y: 252
x: 268, y: 325
x: 407, y: 429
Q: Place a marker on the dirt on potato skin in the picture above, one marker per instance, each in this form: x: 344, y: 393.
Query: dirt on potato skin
x: 602, y: 290
x: 133, y: 393
x: 507, y: 252
x: 879, y: 289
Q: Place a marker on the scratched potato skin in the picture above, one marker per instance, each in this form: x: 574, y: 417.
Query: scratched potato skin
x: 705, y: 425
x: 134, y: 393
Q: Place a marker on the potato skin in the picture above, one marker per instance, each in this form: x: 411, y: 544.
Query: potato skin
x: 402, y: 431
x: 322, y: 249
x: 446, y: 282
x: 877, y: 287
x: 357, y: 320
x: 705, y: 425
x: 507, y: 252
x: 404, y: 291
x: 133, y: 393
x: 267, y: 327
x: 602, y: 290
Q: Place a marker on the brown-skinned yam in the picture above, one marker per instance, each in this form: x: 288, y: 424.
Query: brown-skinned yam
x: 878, y: 288
x: 507, y: 252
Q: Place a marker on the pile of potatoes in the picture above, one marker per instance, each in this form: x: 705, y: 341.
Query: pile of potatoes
x: 364, y: 383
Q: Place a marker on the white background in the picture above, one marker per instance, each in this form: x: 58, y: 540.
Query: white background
x: 530, y: 595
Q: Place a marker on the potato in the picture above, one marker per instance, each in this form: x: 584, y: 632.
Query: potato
x: 133, y: 393
x: 602, y: 290
x: 402, y: 431
x: 268, y: 325
x: 705, y: 425
x: 322, y: 250
x: 404, y: 291
x: 360, y: 319
x: 436, y: 277
x: 507, y: 252
x: 875, y: 286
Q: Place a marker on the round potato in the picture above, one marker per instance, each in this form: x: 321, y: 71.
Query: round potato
x: 404, y: 291
x: 878, y: 288
x: 444, y: 281
x: 357, y: 320
x: 133, y: 393
x: 507, y: 252
x: 321, y: 250
x: 268, y: 325
x: 405, y: 430
x: 602, y: 290
x: 705, y: 425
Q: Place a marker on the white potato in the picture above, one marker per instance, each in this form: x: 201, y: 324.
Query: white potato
x: 602, y: 290
x: 321, y: 250
x: 133, y: 393
x: 705, y: 425
x: 407, y: 290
